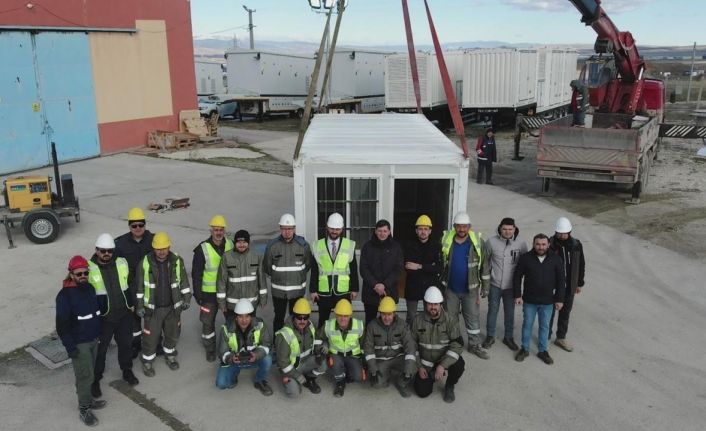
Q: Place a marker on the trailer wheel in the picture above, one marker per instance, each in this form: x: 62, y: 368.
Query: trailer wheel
x: 545, y: 184
x: 77, y: 214
x: 300, y: 113
x: 41, y: 227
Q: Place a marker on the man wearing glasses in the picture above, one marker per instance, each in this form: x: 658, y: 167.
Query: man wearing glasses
x: 133, y: 246
x: 294, y: 345
x: 109, y: 277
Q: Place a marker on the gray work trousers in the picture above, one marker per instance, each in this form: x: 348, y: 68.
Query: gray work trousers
x: 207, y: 316
x: 164, y: 320
x: 310, y: 369
x: 83, y: 370
x: 346, y: 366
x: 411, y: 311
x: 394, y: 368
x: 466, y: 304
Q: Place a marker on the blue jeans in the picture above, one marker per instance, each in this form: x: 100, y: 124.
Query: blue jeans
x: 531, y: 311
x: 228, y: 374
x: 494, y: 297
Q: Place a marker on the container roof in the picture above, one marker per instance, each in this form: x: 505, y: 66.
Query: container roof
x: 377, y: 139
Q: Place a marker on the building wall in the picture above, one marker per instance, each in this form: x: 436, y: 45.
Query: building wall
x: 142, y: 80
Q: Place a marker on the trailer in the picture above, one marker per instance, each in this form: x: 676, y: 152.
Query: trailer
x: 556, y: 68
x: 210, y: 78
x: 357, y: 81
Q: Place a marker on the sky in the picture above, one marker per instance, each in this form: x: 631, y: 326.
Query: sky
x: 380, y: 22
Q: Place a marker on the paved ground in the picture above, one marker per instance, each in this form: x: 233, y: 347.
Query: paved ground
x: 638, y: 325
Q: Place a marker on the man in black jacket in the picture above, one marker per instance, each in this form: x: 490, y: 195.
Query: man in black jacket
x: 543, y: 291
x: 422, y: 260
x: 381, y: 264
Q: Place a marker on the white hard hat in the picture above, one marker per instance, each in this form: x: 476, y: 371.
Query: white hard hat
x: 462, y: 218
x: 433, y: 295
x: 105, y: 240
x: 243, y: 307
x: 563, y: 225
x: 287, y: 220
x: 335, y: 221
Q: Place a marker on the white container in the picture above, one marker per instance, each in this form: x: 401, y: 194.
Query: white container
x: 556, y: 68
x: 399, y: 88
x: 210, y: 78
x: 262, y: 73
x: 499, y: 78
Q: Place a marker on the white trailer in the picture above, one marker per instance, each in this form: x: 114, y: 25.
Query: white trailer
x: 556, y: 68
x: 357, y: 81
x: 210, y: 78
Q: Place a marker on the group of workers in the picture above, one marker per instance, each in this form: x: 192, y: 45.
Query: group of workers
x: 134, y: 288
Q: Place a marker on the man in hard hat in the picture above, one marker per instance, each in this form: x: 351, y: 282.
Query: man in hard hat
x: 467, y: 277
x: 542, y: 275
x: 109, y: 277
x: 294, y: 345
x: 341, y: 339
x: 133, y: 246
x: 503, y: 252
x: 570, y: 250
x: 335, y: 275
x: 204, y: 271
x: 78, y: 327
x: 241, y: 276
x: 287, y: 262
x: 244, y: 343
x: 163, y: 292
x: 439, y: 344
x: 381, y: 265
x: 389, y: 348
x: 422, y: 261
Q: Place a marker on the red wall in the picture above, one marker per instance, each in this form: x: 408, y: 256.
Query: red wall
x: 122, y: 14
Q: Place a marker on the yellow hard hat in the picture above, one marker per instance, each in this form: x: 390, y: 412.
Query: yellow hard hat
x: 218, y: 221
x: 161, y: 241
x: 343, y: 308
x: 302, y: 306
x: 135, y: 214
x: 387, y: 305
x: 423, y: 220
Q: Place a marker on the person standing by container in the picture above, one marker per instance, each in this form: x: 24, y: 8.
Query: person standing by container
x: 78, y: 327
x: 422, y: 260
x: 381, y: 264
x: 487, y: 155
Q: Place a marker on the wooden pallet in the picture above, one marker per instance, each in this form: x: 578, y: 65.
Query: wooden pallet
x: 165, y: 140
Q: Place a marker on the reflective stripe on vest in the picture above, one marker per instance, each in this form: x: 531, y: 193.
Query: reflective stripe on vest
x: 339, y: 269
x: 294, y: 349
x: 210, y: 269
x: 147, y: 276
x: 448, y: 238
x: 95, y: 278
x: 233, y: 338
x: 349, y: 345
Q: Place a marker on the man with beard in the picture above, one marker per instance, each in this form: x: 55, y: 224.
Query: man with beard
x: 423, y: 264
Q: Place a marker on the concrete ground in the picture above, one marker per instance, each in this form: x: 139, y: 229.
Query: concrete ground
x: 637, y: 326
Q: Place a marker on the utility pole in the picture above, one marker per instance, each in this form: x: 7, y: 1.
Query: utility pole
x: 691, y: 74
x: 250, y: 26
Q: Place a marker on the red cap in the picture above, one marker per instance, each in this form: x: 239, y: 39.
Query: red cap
x: 77, y: 262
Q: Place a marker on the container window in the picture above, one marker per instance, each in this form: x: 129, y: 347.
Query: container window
x: 354, y: 198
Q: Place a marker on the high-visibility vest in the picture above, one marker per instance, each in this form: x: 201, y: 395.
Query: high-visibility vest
x: 210, y: 269
x: 294, y: 349
x: 95, y: 278
x: 149, y: 285
x: 233, y: 338
x: 351, y: 344
x: 447, y: 241
x: 339, y: 269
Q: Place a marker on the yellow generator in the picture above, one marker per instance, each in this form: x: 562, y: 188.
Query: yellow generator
x: 30, y: 202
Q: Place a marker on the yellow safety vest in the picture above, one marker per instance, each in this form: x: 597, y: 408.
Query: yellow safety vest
x: 147, y: 274
x: 339, y: 269
x: 349, y: 345
x: 448, y: 238
x: 293, y: 342
x: 95, y: 278
x: 233, y: 338
x: 213, y: 260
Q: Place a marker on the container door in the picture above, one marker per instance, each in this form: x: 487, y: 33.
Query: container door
x: 414, y: 197
x: 22, y: 144
x: 65, y: 80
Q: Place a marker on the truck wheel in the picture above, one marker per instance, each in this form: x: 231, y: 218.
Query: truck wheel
x: 545, y: 185
x: 300, y: 113
x: 40, y: 227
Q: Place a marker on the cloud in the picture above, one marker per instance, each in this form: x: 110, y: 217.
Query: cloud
x: 611, y: 7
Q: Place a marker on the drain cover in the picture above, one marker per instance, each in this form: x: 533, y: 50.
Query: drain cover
x: 49, y: 351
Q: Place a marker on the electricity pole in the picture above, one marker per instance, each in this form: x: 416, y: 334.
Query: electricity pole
x: 250, y: 26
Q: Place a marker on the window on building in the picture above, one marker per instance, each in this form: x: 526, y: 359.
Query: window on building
x: 354, y: 198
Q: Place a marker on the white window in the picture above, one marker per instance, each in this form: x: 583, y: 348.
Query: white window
x: 356, y: 199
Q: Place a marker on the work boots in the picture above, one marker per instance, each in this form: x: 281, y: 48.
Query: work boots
x: 489, y: 341
x: 96, y: 389
x: 87, y: 416
x: 264, y: 388
x: 98, y: 404
x: 521, y: 355
x: 449, y: 395
x: 172, y: 362
x: 544, y: 356
x: 510, y: 343
x: 130, y: 378
x: 561, y: 342
x: 148, y: 369
x: 402, y: 386
x: 477, y: 350
x: 339, y: 389
x: 311, y: 384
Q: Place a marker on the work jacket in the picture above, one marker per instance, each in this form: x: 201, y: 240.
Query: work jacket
x: 255, y: 339
x: 341, y: 342
x: 544, y: 281
x: 338, y: 277
x: 571, y: 254
x: 105, y: 290
x: 478, y: 269
x: 502, y: 257
x: 146, y: 281
x: 382, y: 343
x: 293, y: 346
x: 241, y: 276
x: 133, y: 251
x: 77, y: 314
x: 204, y: 268
x: 287, y: 265
x: 438, y: 341
x: 380, y: 262
x: 427, y: 254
